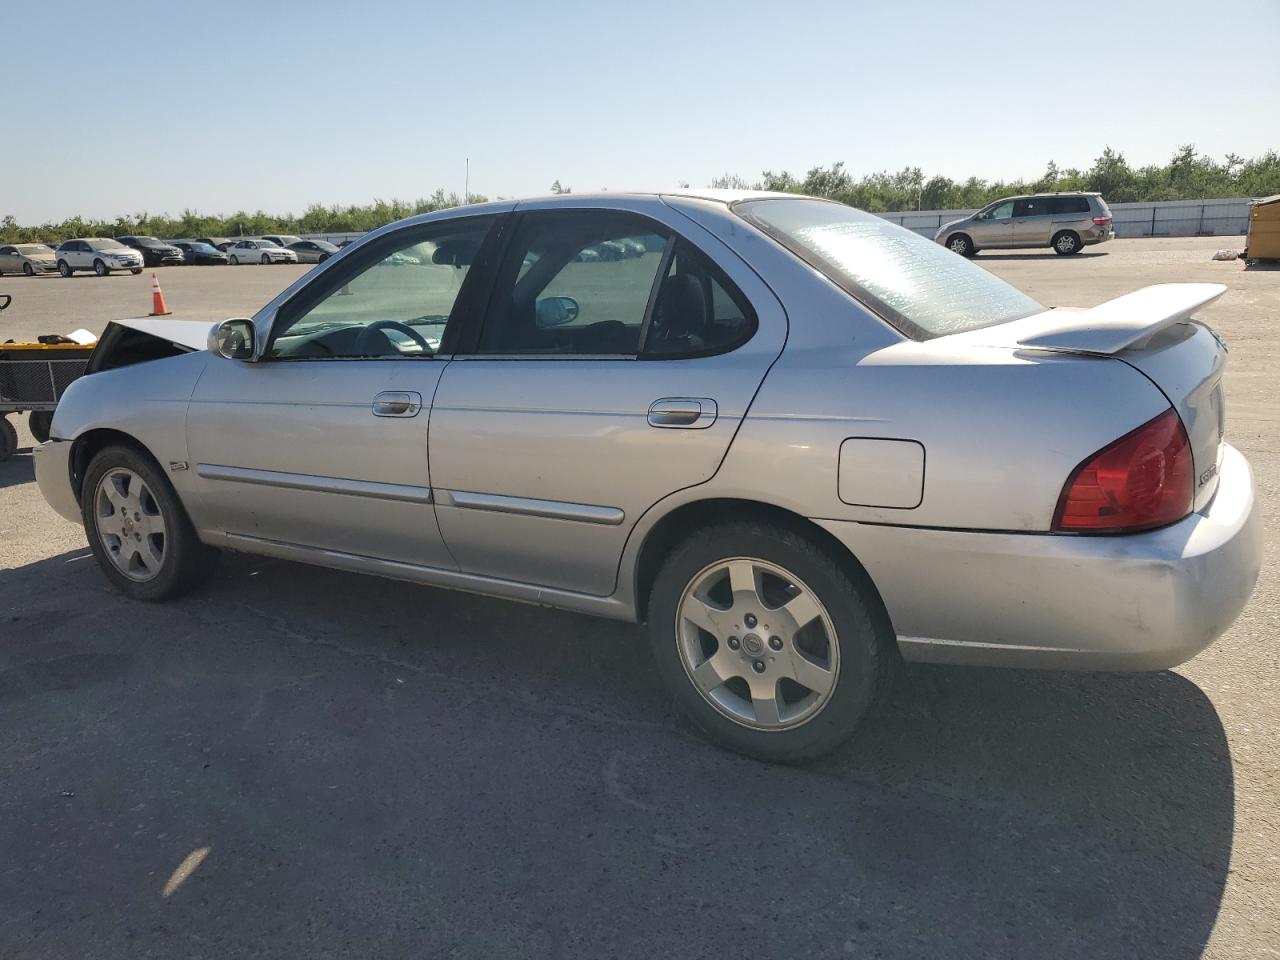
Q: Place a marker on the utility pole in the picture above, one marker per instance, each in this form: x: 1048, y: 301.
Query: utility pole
x: 466, y: 189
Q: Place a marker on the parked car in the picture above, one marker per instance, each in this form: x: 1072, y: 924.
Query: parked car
x: 1067, y: 222
x: 97, y: 254
x: 28, y: 258
x: 345, y: 243
x: 215, y: 242
x: 801, y: 444
x: 281, y: 239
x: 259, y: 251
x: 155, y: 253
x: 313, y: 251
x: 196, y: 252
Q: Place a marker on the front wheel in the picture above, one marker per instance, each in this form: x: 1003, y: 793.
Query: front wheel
x: 28, y: 270
x: 961, y: 244
x: 100, y: 268
x: 775, y: 646
x: 135, y: 270
x: 64, y: 268
x: 1066, y: 243
x: 265, y: 260
x: 137, y: 528
x: 235, y: 261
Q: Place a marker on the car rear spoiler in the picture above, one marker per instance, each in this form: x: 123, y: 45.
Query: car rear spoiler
x: 1124, y: 323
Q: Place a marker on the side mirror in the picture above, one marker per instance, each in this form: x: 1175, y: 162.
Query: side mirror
x: 232, y: 339
x: 555, y: 312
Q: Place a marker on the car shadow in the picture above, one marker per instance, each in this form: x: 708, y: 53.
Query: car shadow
x: 422, y: 771
x: 1045, y: 255
x: 18, y: 469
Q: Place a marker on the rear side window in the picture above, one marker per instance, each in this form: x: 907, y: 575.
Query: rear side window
x: 914, y: 284
x: 1031, y: 207
x: 698, y: 311
x: 1061, y: 205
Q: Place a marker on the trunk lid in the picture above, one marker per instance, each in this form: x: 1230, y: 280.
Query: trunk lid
x: 1151, y: 330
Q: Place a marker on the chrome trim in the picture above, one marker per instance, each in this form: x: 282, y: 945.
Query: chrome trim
x: 302, y: 481
x: 526, y: 507
x: 397, y: 403
x: 600, y: 606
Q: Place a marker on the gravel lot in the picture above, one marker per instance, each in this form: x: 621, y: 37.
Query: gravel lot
x: 297, y: 762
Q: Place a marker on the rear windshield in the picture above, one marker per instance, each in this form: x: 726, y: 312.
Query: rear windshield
x: 920, y: 287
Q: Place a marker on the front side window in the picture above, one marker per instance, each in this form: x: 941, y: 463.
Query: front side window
x: 1002, y: 211
x: 574, y: 283
x: 918, y: 286
x: 392, y: 302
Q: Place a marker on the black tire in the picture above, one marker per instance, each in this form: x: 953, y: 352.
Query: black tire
x: 186, y: 562
x: 8, y: 439
x: 962, y: 244
x: 1066, y: 243
x: 265, y: 260
x: 323, y: 258
x: 38, y: 422
x: 64, y: 268
x: 100, y: 268
x: 135, y: 270
x: 235, y: 261
x: 867, y: 650
x: 28, y: 270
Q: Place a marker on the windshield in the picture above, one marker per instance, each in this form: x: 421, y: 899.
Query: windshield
x: 107, y: 245
x: 920, y: 287
x: 33, y: 249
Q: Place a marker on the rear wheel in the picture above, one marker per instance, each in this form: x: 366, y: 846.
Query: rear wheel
x: 29, y: 270
x: 64, y: 268
x: 961, y: 244
x: 137, y: 528
x: 38, y: 422
x: 1066, y: 243
x: 8, y: 439
x: 774, y: 646
x: 100, y: 268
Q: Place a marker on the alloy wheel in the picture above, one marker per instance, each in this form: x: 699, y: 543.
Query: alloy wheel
x: 757, y: 643
x: 130, y: 524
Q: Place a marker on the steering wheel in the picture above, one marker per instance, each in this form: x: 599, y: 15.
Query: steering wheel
x: 363, y: 341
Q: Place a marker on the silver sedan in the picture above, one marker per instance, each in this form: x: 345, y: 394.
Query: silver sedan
x: 797, y: 441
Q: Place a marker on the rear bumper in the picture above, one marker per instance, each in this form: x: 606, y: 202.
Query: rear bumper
x: 1139, y: 602
x: 53, y: 476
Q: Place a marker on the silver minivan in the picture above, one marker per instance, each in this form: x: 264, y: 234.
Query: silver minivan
x: 1067, y: 222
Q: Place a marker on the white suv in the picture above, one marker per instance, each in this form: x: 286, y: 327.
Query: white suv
x: 99, y: 255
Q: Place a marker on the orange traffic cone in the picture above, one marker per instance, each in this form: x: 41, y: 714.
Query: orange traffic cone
x: 158, y: 308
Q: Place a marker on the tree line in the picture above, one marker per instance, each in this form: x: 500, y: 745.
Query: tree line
x: 1188, y: 175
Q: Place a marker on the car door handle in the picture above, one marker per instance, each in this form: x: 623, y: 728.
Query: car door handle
x: 397, y: 403
x: 688, y: 413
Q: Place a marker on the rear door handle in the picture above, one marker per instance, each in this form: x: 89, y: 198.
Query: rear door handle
x: 397, y: 403
x: 683, y: 413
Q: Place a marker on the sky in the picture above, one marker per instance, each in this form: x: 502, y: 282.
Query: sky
x: 125, y: 108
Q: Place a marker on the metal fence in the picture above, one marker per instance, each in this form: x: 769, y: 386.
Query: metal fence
x: 1166, y: 218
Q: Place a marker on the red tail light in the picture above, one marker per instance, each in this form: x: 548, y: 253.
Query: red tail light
x: 1102, y: 221
x: 1143, y: 480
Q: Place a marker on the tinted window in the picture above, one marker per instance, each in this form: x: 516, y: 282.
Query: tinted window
x: 574, y: 283
x: 1068, y: 204
x: 913, y: 283
x: 1031, y: 207
x: 697, y: 311
x: 6, y: 251
x: 394, y: 301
